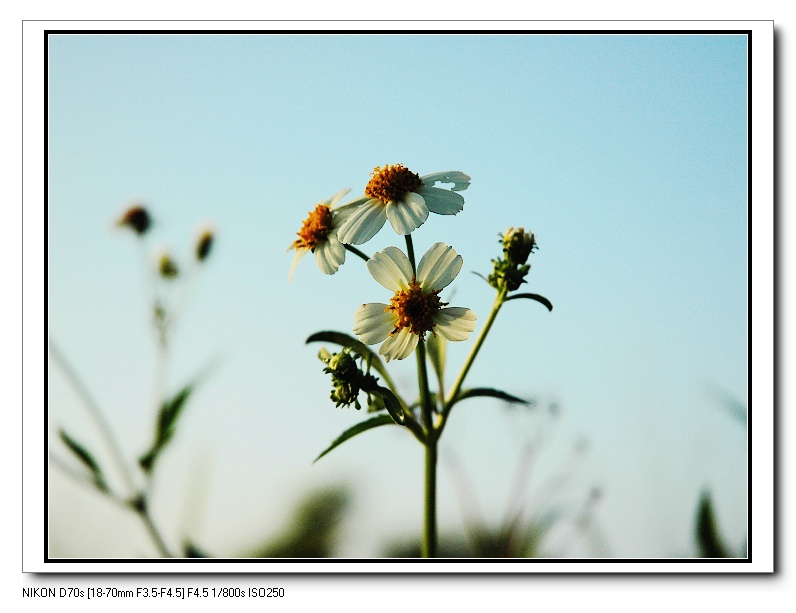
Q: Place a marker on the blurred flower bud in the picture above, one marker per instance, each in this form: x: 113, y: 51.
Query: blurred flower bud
x: 204, y: 244
x: 137, y: 218
x: 167, y: 267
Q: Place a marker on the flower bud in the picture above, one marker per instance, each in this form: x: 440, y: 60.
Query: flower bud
x: 517, y: 245
x: 167, y: 267
x: 509, y: 271
x: 347, y: 377
x: 137, y: 218
x: 204, y: 244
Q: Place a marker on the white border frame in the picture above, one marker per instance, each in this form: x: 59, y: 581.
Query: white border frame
x: 761, y: 358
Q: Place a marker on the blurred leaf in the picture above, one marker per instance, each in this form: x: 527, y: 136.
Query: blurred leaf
x: 192, y: 551
x: 86, y: 458
x: 167, y: 419
x: 361, y: 348
x: 313, y: 530
x: 373, y: 422
x: 491, y: 393
x: 707, y: 533
x: 536, y: 297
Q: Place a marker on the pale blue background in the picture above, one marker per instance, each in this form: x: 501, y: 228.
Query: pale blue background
x: 626, y: 155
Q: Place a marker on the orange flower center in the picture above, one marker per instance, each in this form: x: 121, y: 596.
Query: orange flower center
x: 392, y: 183
x: 415, y: 309
x: 315, y: 228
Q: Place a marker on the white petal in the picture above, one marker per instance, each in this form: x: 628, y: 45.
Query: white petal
x: 373, y: 323
x: 408, y: 214
x: 442, y: 201
x: 329, y: 255
x: 460, y: 180
x: 299, y: 254
x: 332, y: 202
x: 438, y: 267
x: 391, y: 268
x: 399, y: 346
x: 454, y: 323
x: 363, y: 223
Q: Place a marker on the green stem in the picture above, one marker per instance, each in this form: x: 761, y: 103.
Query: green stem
x: 141, y: 506
x: 429, y: 542
x: 356, y: 251
x: 451, y: 400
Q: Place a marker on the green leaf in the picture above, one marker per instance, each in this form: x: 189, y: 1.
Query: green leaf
x: 392, y: 404
x: 85, y: 457
x: 344, y: 340
x: 167, y: 419
x: 373, y: 422
x: 536, y: 297
x: 491, y: 393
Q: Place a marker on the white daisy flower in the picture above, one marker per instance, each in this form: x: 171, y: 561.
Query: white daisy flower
x: 403, y: 197
x: 319, y: 234
x: 415, y: 308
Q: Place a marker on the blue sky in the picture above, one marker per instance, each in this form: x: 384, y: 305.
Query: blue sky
x: 626, y: 155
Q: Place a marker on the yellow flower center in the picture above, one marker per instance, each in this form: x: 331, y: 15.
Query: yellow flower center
x: 392, y: 183
x: 415, y: 309
x: 315, y: 228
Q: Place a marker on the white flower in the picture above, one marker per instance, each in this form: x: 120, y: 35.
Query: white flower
x: 319, y: 234
x: 403, y: 197
x: 415, y: 308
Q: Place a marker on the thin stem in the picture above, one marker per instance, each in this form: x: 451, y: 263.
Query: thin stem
x: 137, y: 504
x: 429, y: 544
x: 499, y: 300
x: 94, y: 410
x: 429, y: 541
x: 143, y: 512
x: 356, y: 251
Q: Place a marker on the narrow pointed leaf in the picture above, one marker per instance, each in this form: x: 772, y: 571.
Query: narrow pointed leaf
x: 478, y: 274
x: 536, y: 297
x: 85, y: 457
x: 707, y: 531
x: 344, y: 340
x: 373, y: 422
x: 491, y: 393
x: 392, y: 404
x: 170, y: 411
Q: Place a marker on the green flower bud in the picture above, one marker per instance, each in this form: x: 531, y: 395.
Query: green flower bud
x: 517, y: 245
x: 509, y: 272
x: 347, y: 377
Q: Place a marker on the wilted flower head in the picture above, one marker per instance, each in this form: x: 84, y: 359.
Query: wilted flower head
x: 510, y: 270
x: 136, y: 218
x: 318, y: 234
x: 405, y: 198
x: 416, y: 308
x: 204, y: 244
